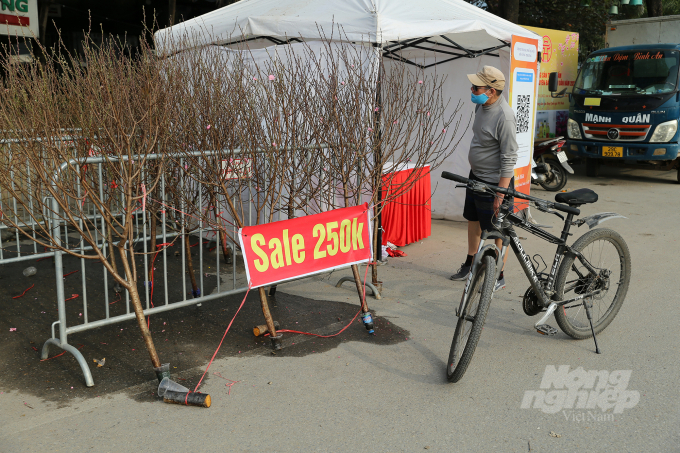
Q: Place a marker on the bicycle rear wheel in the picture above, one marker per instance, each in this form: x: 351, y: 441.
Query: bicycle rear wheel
x: 607, y: 252
x: 470, y: 323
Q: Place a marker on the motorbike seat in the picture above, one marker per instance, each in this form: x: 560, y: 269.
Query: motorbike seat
x: 577, y: 197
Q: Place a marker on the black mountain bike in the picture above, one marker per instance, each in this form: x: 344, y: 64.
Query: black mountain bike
x: 585, y: 287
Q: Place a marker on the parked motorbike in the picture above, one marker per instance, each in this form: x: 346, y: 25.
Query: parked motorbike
x: 550, y: 168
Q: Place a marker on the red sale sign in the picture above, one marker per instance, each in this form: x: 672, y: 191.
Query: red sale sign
x: 279, y: 251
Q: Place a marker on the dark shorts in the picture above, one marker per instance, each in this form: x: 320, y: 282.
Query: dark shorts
x: 479, y: 207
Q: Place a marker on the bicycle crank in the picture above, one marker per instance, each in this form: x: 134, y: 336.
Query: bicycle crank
x: 541, y: 326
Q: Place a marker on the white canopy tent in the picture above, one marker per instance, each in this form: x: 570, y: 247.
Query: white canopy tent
x: 451, y: 35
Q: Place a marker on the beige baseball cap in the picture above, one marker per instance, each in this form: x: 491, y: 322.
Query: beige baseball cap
x: 488, y: 76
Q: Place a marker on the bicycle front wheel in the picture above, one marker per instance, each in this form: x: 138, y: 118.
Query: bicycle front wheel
x: 471, y: 321
x: 608, y: 253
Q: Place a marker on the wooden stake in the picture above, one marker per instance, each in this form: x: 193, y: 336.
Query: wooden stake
x: 357, y: 280
x: 261, y: 330
x: 265, y: 311
x: 192, y: 399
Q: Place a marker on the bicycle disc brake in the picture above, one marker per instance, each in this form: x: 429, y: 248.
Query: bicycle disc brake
x: 530, y: 303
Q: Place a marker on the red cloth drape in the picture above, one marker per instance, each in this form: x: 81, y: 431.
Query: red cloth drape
x: 407, y: 218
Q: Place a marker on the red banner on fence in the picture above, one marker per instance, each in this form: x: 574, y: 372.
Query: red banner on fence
x: 279, y: 251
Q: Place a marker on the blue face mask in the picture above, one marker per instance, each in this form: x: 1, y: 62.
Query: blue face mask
x: 479, y: 98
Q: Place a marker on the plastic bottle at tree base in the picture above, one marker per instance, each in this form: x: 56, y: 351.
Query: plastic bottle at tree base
x: 30, y: 271
x: 368, y: 322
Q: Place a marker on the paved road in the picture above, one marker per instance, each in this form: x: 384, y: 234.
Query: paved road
x: 361, y: 396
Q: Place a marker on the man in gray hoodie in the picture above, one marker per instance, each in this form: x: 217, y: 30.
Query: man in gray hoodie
x: 493, y: 153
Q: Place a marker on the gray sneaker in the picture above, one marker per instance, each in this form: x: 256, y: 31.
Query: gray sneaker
x: 462, y: 273
x: 500, y: 284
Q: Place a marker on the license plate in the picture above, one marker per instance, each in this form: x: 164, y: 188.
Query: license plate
x: 562, y: 156
x: 612, y: 151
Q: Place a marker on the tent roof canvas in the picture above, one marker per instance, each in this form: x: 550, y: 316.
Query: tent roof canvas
x: 373, y: 21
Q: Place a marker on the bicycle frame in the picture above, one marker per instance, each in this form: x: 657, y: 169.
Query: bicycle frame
x: 544, y: 289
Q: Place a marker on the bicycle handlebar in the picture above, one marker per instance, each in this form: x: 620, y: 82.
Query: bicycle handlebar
x: 513, y: 193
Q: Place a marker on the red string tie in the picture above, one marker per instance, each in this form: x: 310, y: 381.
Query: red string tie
x: 22, y: 294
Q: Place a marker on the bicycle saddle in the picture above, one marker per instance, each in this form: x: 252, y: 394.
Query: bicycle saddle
x: 577, y: 197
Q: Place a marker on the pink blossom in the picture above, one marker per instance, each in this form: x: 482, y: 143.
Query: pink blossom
x: 420, y: 82
x: 395, y: 121
x: 208, y: 127
x: 377, y: 109
x: 443, y: 130
x: 428, y: 113
x: 254, y: 78
x: 271, y: 77
x: 274, y: 144
x: 370, y: 130
x: 342, y: 83
x: 12, y: 329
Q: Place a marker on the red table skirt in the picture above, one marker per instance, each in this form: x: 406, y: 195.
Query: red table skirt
x: 407, y: 218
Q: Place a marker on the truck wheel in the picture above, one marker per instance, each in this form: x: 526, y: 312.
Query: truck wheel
x: 592, y: 168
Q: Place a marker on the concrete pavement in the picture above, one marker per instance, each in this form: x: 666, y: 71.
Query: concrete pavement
x: 364, y: 396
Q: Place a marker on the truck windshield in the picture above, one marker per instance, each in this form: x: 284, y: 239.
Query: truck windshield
x: 629, y: 73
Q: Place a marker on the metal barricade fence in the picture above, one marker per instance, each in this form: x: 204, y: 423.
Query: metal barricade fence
x: 142, y: 234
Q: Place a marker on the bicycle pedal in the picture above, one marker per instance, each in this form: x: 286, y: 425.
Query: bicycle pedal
x: 545, y: 329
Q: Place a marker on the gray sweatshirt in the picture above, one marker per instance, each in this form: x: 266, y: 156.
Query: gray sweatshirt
x: 493, y: 151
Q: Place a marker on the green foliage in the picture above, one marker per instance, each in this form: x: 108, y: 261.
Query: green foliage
x: 671, y: 7
x: 568, y: 15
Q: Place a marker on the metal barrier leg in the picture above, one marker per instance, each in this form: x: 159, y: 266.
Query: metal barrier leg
x: 76, y: 353
x: 62, y: 342
x: 369, y: 285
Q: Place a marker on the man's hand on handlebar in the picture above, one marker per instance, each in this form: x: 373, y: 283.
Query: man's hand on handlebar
x: 503, y: 183
x: 497, y: 201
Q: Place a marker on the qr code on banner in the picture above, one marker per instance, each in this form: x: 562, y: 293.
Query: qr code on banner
x: 523, y: 109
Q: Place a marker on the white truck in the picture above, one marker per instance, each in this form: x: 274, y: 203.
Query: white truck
x: 648, y: 30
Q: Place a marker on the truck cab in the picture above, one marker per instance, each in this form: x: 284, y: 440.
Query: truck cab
x: 624, y: 108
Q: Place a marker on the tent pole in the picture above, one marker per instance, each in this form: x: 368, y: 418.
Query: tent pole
x: 378, y: 179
